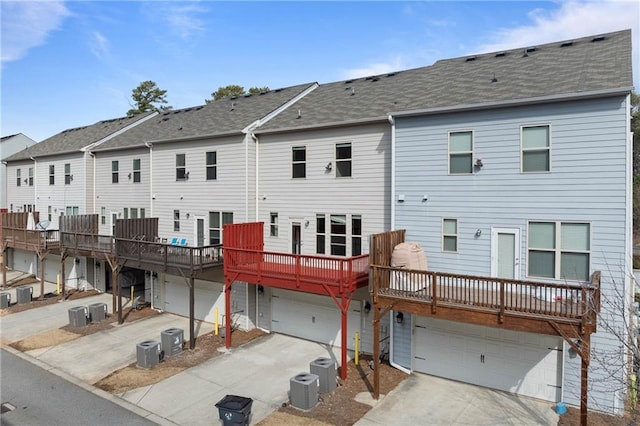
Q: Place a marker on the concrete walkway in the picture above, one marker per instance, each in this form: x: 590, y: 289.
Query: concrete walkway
x: 429, y: 400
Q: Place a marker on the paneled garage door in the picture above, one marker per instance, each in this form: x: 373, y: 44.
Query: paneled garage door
x: 312, y: 317
x: 523, y: 363
x: 208, y: 296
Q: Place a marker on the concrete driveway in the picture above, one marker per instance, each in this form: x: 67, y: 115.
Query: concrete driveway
x: 429, y: 400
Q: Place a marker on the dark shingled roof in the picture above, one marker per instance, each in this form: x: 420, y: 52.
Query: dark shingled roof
x: 217, y: 118
x: 73, y: 140
x: 589, y: 64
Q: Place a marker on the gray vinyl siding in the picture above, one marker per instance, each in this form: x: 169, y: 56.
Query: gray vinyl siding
x: 23, y: 194
x: 124, y: 194
x: 588, y: 182
x: 89, y: 165
x: 196, y: 195
x: 365, y: 193
x: 9, y: 146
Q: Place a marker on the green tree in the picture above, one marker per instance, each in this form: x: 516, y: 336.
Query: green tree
x: 148, y: 97
x: 234, y: 91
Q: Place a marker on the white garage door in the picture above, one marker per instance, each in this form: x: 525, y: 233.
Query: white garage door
x: 208, y: 295
x: 523, y: 363
x: 312, y: 317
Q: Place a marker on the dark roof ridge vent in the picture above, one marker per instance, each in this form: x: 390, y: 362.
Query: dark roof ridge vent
x: 598, y: 38
x: 391, y: 74
x: 501, y: 54
x: 567, y: 43
x: 471, y: 58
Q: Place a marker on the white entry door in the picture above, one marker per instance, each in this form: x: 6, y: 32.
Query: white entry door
x: 505, y: 253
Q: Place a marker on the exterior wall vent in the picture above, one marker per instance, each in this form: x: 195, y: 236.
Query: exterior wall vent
x: 598, y: 38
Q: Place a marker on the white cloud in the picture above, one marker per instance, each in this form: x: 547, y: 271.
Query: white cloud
x: 181, y: 19
x: 573, y: 19
x: 99, y: 46
x: 375, y: 69
x: 27, y: 24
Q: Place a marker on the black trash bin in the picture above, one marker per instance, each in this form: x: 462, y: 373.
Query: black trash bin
x: 234, y: 410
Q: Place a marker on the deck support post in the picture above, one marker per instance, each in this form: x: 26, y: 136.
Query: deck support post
x: 63, y: 276
x: 227, y: 313
x: 376, y: 353
x: 4, y: 262
x: 192, y: 290
x: 585, y: 354
x: 345, y: 310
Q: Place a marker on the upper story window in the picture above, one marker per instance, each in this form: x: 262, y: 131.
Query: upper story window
x: 136, y: 170
x: 72, y: 210
x: 30, y: 176
x: 212, y: 165
x: 176, y: 220
x: 450, y: 235
x: 68, y: 177
x: 217, y: 220
x: 18, y: 177
x: 338, y: 234
x: 559, y: 250
x: 273, y: 224
x: 536, y: 149
x: 343, y: 159
x: 299, y: 162
x: 52, y: 174
x: 460, y: 153
x: 356, y: 235
x: 181, y: 167
x: 103, y: 215
x: 115, y: 167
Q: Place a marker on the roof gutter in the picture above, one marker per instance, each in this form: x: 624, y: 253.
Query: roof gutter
x: 516, y: 102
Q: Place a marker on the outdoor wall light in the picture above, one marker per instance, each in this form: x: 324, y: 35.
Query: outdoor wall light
x: 399, y: 317
x: 328, y: 167
x: 478, y: 232
x: 367, y: 307
x: 260, y: 289
x: 479, y: 163
x: 129, y: 176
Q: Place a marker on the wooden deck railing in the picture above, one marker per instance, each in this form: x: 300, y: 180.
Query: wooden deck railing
x: 322, y: 270
x: 568, y: 301
x: 83, y: 242
x: 30, y: 239
x: 196, y: 258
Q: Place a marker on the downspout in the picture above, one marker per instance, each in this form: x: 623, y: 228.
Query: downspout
x: 246, y: 177
x: 393, y: 173
x: 93, y: 190
x: 392, y: 227
x: 150, y: 146
x: 257, y: 201
x: 35, y: 183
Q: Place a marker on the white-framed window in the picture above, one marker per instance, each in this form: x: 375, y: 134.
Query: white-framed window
x: 176, y: 220
x: 142, y: 213
x: 273, y: 224
x: 30, y: 176
x: 103, y: 215
x: 321, y: 232
x: 136, y: 170
x: 343, y: 159
x: 67, y: 174
x: 299, y: 162
x: 356, y: 235
x: 52, y: 174
x: 460, y: 153
x: 217, y: 220
x: 338, y: 230
x: 212, y: 165
x: 115, y: 166
x: 72, y: 210
x: 181, y: 167
x: 18, y: 177
x: 125, y: 213
x: 134, y: 212
x: 450, y: 235
x: 536, y: 149
x: 559, y: 250
x: 49, y: 213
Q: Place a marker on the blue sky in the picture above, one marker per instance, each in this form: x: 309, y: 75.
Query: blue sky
x: 70, y: 64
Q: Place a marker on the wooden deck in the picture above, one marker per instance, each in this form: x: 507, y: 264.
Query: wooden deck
x: 311, y: 274
x: 31, y: 240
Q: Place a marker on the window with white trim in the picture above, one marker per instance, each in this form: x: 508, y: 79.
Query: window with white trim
x: 273, y: 224
x: 320, y: 233
x: 212, y: 165
x: 338, y: 223
x: 114, y: 171
x: 18, y: 176
x: 356, y: 235
x: 559, y: 250
x: 460, y: 153
x: 299, y: 162
x: 52, y: 174
x: 217, y: 220
x: 72, y: 210
x: 136, y: 170
x: 67, y: 174
x: 49, y: 213
x: 343, y: 159
x: 103, y: 215
x: 176, y: 220
x: 30, y: 176
x: 181, y: 167
x: 536, y: 149
x: 450, y: 235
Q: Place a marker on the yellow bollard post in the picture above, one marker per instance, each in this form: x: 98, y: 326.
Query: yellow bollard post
x: 131, y: 292
x: 58, y: 283
x: 357, y: 348
x: 215, y: 320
